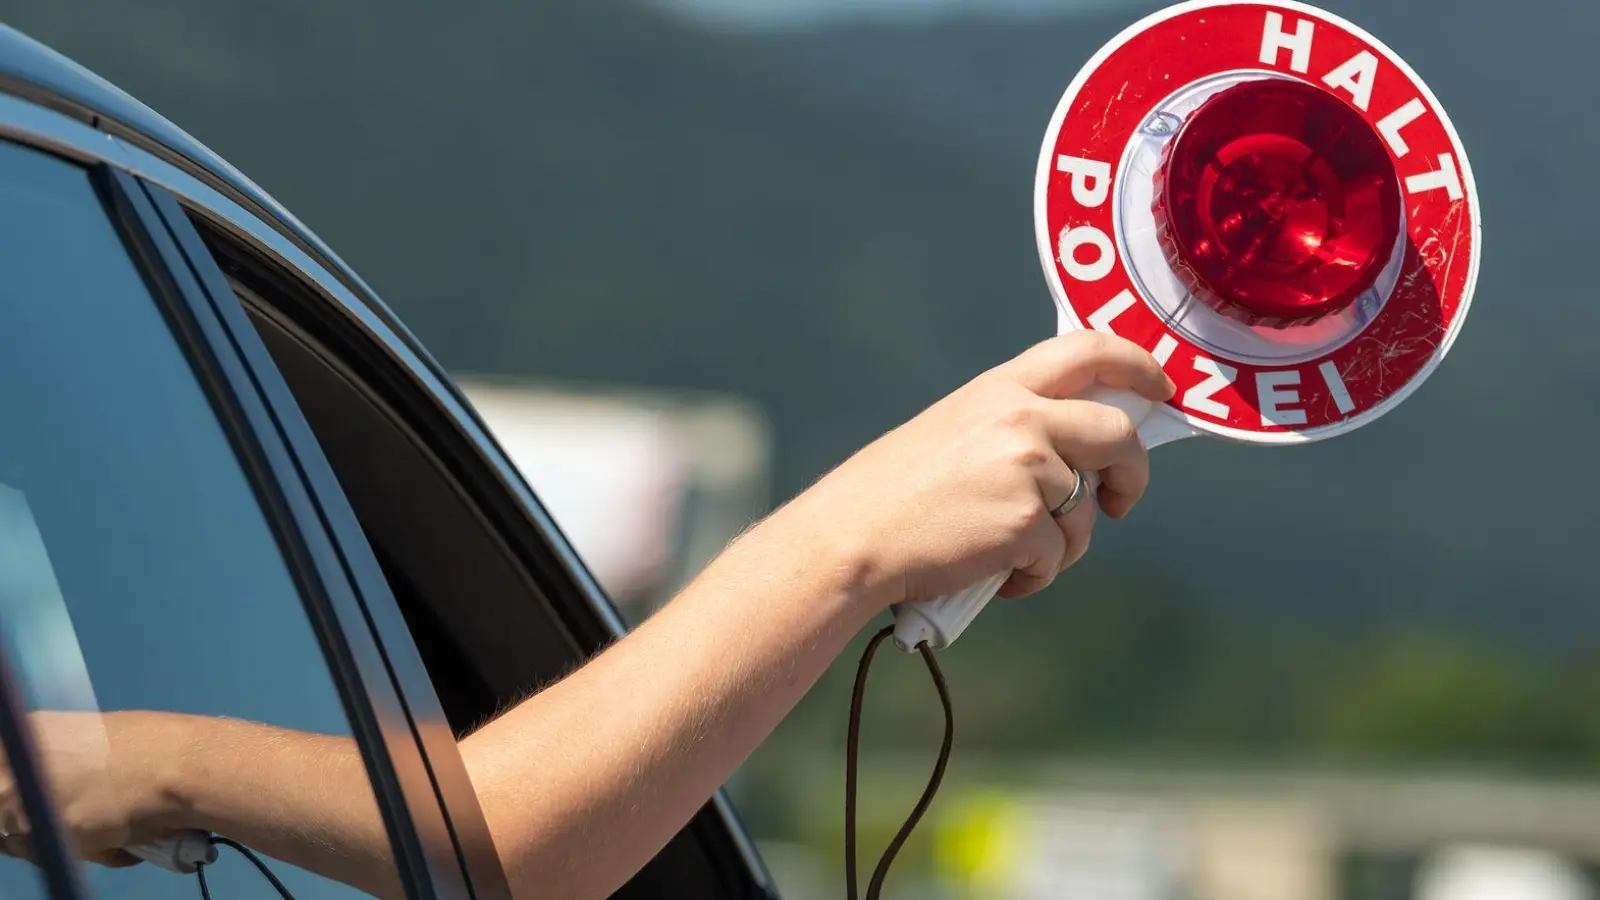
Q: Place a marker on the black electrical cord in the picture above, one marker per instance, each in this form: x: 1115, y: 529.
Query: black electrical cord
x: 247, y: 853
x: 852, y: 760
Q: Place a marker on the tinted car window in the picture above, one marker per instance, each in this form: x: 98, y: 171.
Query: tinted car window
x: 137, y: 571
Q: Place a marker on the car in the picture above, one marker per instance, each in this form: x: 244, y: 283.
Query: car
x: 232, y: 483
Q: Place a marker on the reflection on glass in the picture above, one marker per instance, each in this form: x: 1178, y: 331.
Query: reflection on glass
x: 138, y: 575
x: 18, y: 878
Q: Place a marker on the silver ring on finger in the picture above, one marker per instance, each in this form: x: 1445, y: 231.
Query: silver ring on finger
x: 1072, y: 501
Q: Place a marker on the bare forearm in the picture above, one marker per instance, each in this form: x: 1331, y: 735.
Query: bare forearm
x: 587, y: 780
x: 584, y: 782
x: 301, y: 798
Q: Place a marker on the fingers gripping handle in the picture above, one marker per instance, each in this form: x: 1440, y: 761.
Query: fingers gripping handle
x: 183, y: 852
x: 940, y: 621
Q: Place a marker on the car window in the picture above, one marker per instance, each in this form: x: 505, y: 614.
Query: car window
x: 139, y: 578
x: 492, y: 614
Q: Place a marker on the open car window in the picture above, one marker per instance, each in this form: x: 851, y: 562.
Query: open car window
x: 490, y: 595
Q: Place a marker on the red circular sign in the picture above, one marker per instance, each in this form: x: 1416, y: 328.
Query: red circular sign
x: 1097, y: 262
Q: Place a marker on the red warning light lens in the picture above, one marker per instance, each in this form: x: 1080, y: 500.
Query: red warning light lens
x: 1277, y: 203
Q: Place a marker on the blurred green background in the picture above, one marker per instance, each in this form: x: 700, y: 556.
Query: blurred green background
x: 1356, y: 669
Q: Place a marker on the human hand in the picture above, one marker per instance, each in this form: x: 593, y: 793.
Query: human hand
x: 105, y: 775
x: 965, y: 490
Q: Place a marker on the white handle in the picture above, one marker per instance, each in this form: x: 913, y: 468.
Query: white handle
x: 940, y: 621
x: 183, y: 852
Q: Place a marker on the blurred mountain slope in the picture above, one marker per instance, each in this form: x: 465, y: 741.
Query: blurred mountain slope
x: 589, y: 190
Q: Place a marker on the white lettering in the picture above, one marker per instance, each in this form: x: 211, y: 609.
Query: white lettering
x: 1164, y: 348
x: 1341, y: 394
x: 1355, y: 75
x: 1218, y: 376
x: 1105, y: 257
x: 1272, y: 397
x: 1391, y: 124
x: 1091, y: 180
x: 1100, y: 319
x: 1447, y: 177
x: 1274, y: 38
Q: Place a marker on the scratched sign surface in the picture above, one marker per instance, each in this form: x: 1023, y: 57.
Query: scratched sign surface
x: 1086, y: 157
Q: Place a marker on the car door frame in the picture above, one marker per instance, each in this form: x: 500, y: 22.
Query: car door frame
x: 561, y: 587
x: 343, y: 589
x: 76, y: 115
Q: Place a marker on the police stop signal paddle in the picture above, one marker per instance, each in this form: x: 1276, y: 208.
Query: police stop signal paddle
x: 1272, y: 203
